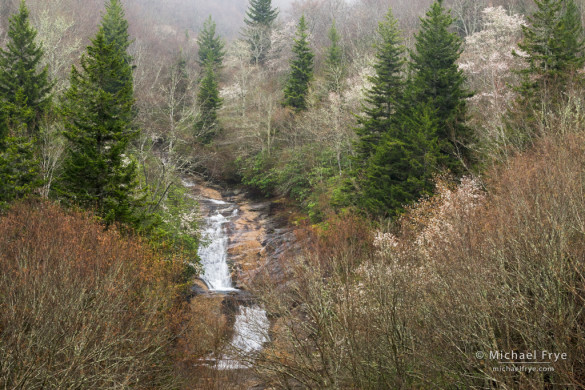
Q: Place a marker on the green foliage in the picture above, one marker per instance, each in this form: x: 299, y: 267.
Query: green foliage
x: 22, y: 83
x: 256, y: 173
x: 402, y: 169
x: 383, y: 98
x: 553, y: 43
x: 438, y: 82
x: 211, y: 46
x: 261, y: 13
x: 207, y: 126
x: 297, y: 86
x: 302, y: 174
x: 115, y: 28
x: 381, y: 103
x: 169, y: 219
x: 98, y: 112
x: 334, y: 62
x: 19, y: 166
x: 18, y: 169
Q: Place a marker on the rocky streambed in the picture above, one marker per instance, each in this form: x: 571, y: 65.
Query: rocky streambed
x: 244, y: 240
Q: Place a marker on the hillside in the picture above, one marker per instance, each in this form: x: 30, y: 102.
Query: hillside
x: 324, y: 194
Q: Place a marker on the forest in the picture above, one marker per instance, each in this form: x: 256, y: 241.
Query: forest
x: 422, y: 163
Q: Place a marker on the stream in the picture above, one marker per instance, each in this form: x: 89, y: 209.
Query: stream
x: 251, y: 324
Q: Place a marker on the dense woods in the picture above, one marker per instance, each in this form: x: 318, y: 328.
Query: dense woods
x: 429, y: 155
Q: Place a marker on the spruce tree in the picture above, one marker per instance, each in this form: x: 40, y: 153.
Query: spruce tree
x: 297, y: 86
x: 259, y: 20
x: 334, y: 67
x: 260, y: 13
x: 98, y: 112
x: 115, y: 28
x: 437, y: 81
x: 211, y: 46
x: 382, y: 102
x: 384, y: 97
x: 402, y: 168
x: 207, y: 126
x: 21, y: 73
x: 553, y: 43
x: 18, y: 164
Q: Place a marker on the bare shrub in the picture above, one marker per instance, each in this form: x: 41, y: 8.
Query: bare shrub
x: 467, y: 272
x: 80, y: 307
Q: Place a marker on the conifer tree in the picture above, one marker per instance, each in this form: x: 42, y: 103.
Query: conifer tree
x: 98, y: 111
x: 260, y: 13
x: 259, y: 20
x: 334, y: 67
x: 402, y: 168
x: 437, y: 81
x: 553, y: 43
x: 297, y: 86
x: 211, y: 46
x: 207, y: 126
x: 20, y: 71
x: 115, y: 28
x: 382, y: 102
x: 384, y: 97
x: 18, y: 164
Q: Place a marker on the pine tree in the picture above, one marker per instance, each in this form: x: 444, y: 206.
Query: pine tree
x: 20, y: 73
x: 334, y: 67
x: 98, y: 111
x: 553, y: 43
x: 211, y: 46
x: 259, y: 20
x: 260, y: 13
x: 384, y: 97
x: 207, y: 126
x: 437, y: 81
x: 402, y: 168
x: 297, y: 86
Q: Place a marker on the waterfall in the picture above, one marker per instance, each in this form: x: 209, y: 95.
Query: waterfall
x: 213, y: 252
x: 251, y: 324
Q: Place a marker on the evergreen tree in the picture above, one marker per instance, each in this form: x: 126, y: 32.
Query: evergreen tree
x: 18, y: 164
x: 211, y: 46
x: 297, y: 86
x: 98, y: 112
x: 115, y: 28
x: 259, y: 20
x: 402, y: 168
x: 553, y: 43
x: 20, y: 73
x: 334, y: 67
x: 382, y: 102
x: 18, y: 169
x: 260, y: 13
x: 207, y: 126
x: 384, y: 97
x: 436, y: 80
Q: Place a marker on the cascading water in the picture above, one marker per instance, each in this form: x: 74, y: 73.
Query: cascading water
x: 251, y: 324
x: 213, y: 253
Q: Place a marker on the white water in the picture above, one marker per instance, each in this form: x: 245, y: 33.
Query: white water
x: 213, y: 252
x: 251, y: 324
x: 250, y: 334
